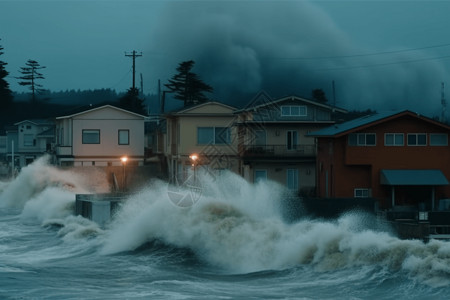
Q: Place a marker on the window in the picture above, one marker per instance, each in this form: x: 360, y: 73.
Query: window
x: 91, y: 136
x: 221, y: 135
x: 213, y: 135
x: 417, y: 139
x: 124, y: 137
x: 362, y: 139
x: 292, y: 179
x: 28, y: 140
x: 438, y: 139
x: 394, y: 139
x: 293, y: 111
x: 361, y: 193
x: 260, y: 175
x: 291, y: 139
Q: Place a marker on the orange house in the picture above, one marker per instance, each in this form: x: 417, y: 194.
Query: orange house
x: 398, y: 158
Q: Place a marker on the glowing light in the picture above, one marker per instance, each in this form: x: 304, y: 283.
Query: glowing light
x: 124, y: 159
x: 194, y: 157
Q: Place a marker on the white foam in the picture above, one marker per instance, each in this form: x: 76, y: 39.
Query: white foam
x: 237, y: 226
x: 38, y: 176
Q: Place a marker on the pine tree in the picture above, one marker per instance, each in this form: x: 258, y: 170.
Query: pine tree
x: 30, y: 75
x: 132, y: 102
x: 6, y: 97
x: 187, y: 86
x: 319, y: 96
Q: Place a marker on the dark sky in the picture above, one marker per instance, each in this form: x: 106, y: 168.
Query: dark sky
x: 380, y: 54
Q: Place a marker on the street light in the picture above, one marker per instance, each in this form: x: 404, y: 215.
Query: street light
x: 194, y: 158
x: 124, y: 160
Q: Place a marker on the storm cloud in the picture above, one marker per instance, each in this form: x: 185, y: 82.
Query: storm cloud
x: 290, y: 47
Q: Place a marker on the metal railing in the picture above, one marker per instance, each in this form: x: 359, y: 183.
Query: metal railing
x: 278, y: 150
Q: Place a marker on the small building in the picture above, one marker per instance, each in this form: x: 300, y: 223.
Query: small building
x: 402, y: 159
x: 274, y: 142
x: 29, y: 139
x: 100, y: 136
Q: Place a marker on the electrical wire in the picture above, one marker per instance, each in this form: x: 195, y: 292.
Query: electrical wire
x: 366, y: 54
x: 384, y: 64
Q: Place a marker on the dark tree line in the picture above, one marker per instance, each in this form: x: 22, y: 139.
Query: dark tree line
x: 6, y: 97
x: 80, y: 97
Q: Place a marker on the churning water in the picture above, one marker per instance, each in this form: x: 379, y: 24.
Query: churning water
x: 233, y: 243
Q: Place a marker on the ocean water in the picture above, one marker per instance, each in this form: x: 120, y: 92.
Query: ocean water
x: 234, y: 243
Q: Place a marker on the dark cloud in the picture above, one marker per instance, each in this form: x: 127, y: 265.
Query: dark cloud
x: 289, y: 47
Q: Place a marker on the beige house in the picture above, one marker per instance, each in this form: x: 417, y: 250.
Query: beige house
x: 100, y: 136
x: 273, y: 141
x: 203, y: 135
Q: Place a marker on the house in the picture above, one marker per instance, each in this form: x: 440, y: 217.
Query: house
x: 399, y: 158
x: 201, y: 136
x: 274, y: 142
x: 29, y: 139
x: 100, y: 136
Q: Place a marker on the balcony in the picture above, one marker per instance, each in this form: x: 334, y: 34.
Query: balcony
x: 278, y: 151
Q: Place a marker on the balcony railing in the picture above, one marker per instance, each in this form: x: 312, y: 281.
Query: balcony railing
x: 269, y: 151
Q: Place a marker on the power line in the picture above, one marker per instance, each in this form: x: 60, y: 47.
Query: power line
x: 364, y: 55
x: 123, y: 77
x: 384, y: 64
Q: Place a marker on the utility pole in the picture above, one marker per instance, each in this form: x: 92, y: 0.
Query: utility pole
x: 443, y: 104
x: 134, y: 54
x: 334, y: 94
x: 142, y: 85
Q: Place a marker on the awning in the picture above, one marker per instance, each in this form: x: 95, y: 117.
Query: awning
x: 413, y: 177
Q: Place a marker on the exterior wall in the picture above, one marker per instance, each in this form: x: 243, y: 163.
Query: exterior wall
x: 109, y: 138
x: 187, y: 134
x: 64, y: 132
x: 350, y: 167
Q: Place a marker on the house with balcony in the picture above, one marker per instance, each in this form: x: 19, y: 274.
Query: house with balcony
x: 273, y: 139
x: 400, y: 158
x: 201, y: 136
x: 29, y: 139
x: 100, y: 136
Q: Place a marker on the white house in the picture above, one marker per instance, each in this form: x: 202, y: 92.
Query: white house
x: 34, y: 138
x: 100, y: 136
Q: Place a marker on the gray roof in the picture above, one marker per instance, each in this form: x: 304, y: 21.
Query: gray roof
x: 38, y: 122
x: 338, y: 129
x: 271, y: 102
x: 94, y: 108
x: 47, y: 133
x: 413, y: 177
